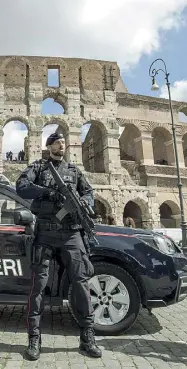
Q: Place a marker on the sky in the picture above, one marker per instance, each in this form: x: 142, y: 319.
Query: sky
x: 132, y: 32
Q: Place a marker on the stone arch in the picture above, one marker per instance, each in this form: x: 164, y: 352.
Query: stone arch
x: 138, y: 210
x: 86, y: 79
x: 17, y: 118
x: 182, y: 113
x: 134, y: 212
x: 163, y: 151
x: 16, y: 59
x: 57, y: 98
x: 57, y: 121
x: 104, y: 201
x: 52, y: 62
x: 127, y: 142
x: 15, y: 73
x: 102, y: 208
x: 125, y: 122
x: 169, y: 214
x: 94, y: 146
x: 85, y: 63
x: 97, y: 123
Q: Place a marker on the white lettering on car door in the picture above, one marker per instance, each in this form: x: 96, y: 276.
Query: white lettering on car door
x: 19, y: 268
x: 11, y: 266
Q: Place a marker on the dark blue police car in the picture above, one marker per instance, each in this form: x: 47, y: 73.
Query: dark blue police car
x: 133, y: 268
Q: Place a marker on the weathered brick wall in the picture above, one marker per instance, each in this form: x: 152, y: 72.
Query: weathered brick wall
x: 12, y: 171
x: 93, y: 91
x: 24, y: 79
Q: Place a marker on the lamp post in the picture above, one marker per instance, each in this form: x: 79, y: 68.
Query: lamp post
x: 153, y: 72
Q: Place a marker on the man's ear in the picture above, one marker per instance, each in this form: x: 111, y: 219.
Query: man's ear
x: 48, y: 147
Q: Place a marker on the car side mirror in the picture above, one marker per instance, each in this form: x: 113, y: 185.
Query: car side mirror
x: 23, y: 217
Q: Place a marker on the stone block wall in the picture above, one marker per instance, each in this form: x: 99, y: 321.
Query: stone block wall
x: 118, y: 152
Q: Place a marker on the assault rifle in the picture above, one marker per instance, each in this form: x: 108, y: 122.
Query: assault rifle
x: 73, y: 204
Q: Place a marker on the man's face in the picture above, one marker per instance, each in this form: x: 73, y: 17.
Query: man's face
x: 58, y: 147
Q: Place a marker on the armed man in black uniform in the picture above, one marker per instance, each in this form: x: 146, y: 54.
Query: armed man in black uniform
x: 36, y: 183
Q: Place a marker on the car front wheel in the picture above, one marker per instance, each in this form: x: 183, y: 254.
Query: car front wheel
x: 115, y: 298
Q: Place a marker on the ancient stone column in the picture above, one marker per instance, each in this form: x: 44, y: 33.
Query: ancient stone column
x: 34, y: 145
x: 144, y: 149
x: 73, y: 101
x: 111, y: 150
x: 117, y: 206
x: 154, y: 209
x: 74, y: 146
x: 177, y: 219
x: 171, y: 153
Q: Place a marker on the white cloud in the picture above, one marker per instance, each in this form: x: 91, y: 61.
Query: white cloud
x: 14, y: 134
x: 119, y: 30
x: 178, y: 93
x: 13, y: 139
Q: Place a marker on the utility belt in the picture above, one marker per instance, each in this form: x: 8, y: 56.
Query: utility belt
x: 56, y: 227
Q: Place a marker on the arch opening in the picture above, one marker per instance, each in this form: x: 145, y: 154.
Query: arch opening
x: 132, y: 215
x: 162, y: 146
x: 15, y: 141
x: 169, y: 214
x: 182, y: 114
x: 51, y: 106
x: 127, y: 143
x: 93, y: 147
x: 100, y: 211
x: 182, y: 117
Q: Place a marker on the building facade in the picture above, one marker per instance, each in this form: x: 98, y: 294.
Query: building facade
x: 127, y: 155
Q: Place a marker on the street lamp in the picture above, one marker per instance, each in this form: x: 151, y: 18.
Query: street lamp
x: 155, y: 87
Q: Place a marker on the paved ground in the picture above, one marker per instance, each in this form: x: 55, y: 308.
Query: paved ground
x: 158, y: 341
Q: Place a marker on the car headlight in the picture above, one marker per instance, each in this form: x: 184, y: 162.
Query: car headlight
x: 165, y: 245
x: 161, y: 243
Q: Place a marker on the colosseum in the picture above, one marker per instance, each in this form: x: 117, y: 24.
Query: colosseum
x: 127, y: 155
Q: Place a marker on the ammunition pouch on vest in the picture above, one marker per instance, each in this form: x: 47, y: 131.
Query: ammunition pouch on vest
x: 46, y: 208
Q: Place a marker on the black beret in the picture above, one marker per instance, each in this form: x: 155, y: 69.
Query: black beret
x: 53, y: 137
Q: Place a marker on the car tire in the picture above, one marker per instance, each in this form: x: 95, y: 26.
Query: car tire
x: 108, y: 275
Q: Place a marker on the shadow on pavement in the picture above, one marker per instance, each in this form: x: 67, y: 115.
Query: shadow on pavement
x: 59, y: 321
x: 148, y: 348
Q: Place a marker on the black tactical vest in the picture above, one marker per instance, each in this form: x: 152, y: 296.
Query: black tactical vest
x: 43, y: 207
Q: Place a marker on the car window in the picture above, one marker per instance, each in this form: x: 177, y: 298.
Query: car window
x: 7, y: 207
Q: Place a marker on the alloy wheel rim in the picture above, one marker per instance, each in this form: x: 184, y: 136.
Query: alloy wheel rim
x: 110, y: 299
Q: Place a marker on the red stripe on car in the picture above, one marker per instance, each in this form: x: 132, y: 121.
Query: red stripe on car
x: 11, y: 228
x: 113, y: 234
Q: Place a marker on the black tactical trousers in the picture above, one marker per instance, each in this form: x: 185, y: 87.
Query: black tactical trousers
x: 79, y: 270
